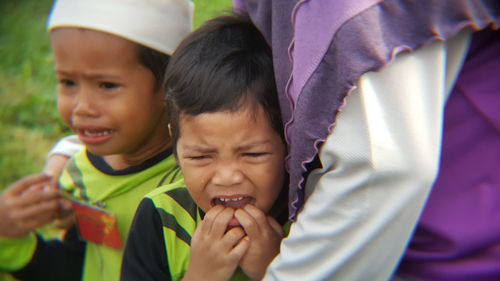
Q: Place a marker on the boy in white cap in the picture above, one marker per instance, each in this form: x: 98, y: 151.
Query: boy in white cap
x: 110, y: 57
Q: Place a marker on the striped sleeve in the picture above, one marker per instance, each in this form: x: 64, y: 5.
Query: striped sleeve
x: 145, y: 256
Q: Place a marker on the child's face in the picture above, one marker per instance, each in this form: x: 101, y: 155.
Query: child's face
x: 106, y: 95
x: 231, y: 158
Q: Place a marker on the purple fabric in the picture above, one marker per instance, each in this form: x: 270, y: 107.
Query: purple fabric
x: 322, y: 47
x: 357, y: 49
x: 458, y: 236
x: 308, y: 49
x: 310, y: 44
x: 360, y: 41
x: 262, y: 14
x: 320, y: 50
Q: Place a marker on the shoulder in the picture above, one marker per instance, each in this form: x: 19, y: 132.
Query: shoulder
x: 174, y: 199
x: 161, y: 191
x: 175, y: 206
x: 77, y: 164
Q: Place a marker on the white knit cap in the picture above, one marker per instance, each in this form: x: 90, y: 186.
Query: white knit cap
x: 158, y: 24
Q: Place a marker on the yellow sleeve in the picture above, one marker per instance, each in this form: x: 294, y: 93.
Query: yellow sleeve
x: 16, y: 253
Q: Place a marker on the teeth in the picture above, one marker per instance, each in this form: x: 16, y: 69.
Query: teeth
x: 96, y: 134
x: 230, y: 199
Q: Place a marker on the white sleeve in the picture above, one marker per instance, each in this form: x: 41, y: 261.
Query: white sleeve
x: 378, y: 167
x: 67, y: 146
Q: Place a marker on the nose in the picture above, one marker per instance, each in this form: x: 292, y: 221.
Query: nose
x: 86, y: 104
x: 227, y: 174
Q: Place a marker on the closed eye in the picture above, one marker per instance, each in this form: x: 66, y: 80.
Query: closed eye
x: 198, y: 160
x: 255, y: 154
x: 201, y: 157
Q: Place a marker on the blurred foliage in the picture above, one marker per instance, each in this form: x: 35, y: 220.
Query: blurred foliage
x: 206, y: 9
x: 29, y: 121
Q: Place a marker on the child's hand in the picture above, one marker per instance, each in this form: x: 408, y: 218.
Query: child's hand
x: 65, y: 216
x: 215, y: 253
x: 27, y: 204
x: 265, y: 235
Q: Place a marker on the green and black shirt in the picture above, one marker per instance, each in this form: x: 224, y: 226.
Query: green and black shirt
x: 159, y: 243
x: 89, y: 178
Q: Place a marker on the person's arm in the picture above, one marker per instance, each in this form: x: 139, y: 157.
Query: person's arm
x: 67, y: 146
x: 145, y: 257
x: 55, y: 162
x: 378, y: 167
x: 60, y: 153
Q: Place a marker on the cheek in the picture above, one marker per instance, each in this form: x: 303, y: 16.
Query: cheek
x: 65, y: 107
x: 270, y: 185
x: 199, y: 197
x: 275, y: 186
x: 277, y: 170
x: 138, y: 114
x: 131, y: 116
x: 279, y: 178
x: 196, y: 183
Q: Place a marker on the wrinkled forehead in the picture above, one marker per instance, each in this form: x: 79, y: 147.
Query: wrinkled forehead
x: 245, y: 106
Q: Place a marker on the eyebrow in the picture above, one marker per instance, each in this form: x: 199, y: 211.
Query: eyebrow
x: 252, y: 145
x: 90, y: 76
x: 198, y: 148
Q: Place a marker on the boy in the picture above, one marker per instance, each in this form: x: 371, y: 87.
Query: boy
x: 109, y: 67
x: 228, y: 136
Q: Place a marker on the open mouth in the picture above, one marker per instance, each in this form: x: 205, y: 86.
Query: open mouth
x: 96, y: 133
x: 233, y: 202
x: 95, y: 136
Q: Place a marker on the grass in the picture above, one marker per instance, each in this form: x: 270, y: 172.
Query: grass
x: 29, y: 121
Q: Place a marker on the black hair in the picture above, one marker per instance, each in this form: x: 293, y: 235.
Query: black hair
x: 224, y: 65
x: 221, y: 66
x: 155, y: 61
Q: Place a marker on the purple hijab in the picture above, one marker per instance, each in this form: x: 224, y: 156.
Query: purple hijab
x: 322, y: 47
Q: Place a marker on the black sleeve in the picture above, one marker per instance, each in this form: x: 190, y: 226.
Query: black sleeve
x: 55, y: 259
x: 145, y: 257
